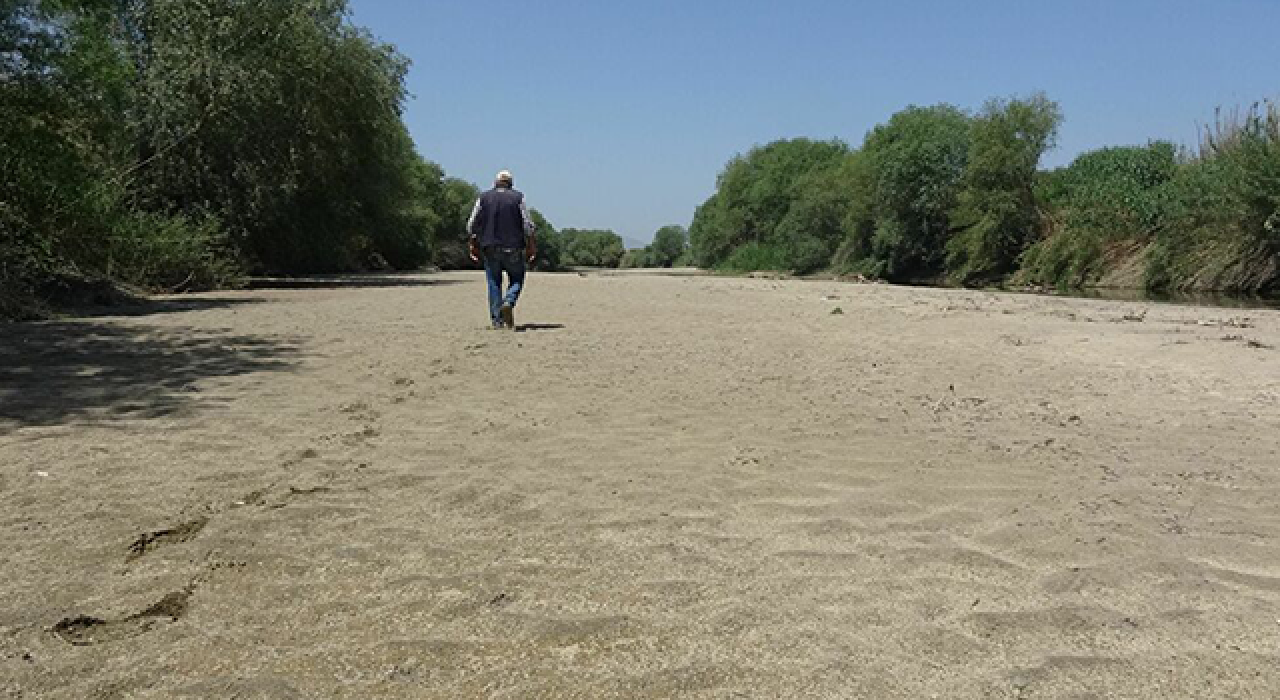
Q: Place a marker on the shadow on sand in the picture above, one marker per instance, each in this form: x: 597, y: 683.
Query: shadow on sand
x: 531, y: 327
x: 370, y: 280
x: 162, y: 305
x: 53, y: 372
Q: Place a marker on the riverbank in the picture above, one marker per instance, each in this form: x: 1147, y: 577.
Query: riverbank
x: 663, y: 487
x: 1137, y: 294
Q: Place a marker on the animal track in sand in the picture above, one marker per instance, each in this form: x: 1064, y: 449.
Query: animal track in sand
x: 150, y: 541
x: 85, y: 630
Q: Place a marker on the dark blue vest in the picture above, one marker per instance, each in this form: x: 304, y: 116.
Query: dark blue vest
x: 500, y: 222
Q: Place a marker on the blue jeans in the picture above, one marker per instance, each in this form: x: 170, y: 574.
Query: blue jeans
x: 496, y: 261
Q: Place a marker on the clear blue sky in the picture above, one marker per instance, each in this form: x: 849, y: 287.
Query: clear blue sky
x: 620, y: 114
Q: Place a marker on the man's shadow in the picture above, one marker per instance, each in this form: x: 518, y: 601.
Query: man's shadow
x: 525, y: 327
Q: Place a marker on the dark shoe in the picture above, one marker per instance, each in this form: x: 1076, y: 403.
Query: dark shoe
x: 508, y: 316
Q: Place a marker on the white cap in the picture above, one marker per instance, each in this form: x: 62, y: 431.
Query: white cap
x: 504, y: 176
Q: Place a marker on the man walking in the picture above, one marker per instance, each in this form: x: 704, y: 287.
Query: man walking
x: 501, y: 231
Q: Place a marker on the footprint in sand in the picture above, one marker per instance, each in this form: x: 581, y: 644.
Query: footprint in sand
x: 150, y: 541
x: 312, y: 491
x: 85, y: 630
x: 270, y: 498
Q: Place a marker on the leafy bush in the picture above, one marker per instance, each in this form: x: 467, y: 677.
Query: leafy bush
x: 997, y: 213
x: 452, y: 200
x: 591, y: 247
x: 636, y: 258
x: 755, y: 256
x: 317, y: 182
x: 712, y: 234
x: 59, y: 111
x: 170, y: 253
x: 162, y: 142
x: 669, y: 243
x: 937, y: 191
x: 550, y: 245
x: 910, y: 172
x: 1114, y: 198
x: 1223, y: 212
x: 754, y: 194
x: 811, y: 230
x: 1250, y: 152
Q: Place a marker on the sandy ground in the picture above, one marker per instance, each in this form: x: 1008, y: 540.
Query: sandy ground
x: 665, y: 487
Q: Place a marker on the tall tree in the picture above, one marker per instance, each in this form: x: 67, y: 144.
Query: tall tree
x: 669, y: 243
x: 997, y: 207
x: 910, y: 175
x: 754, y: 194
x: 63, y: 89
x: 282, y: 120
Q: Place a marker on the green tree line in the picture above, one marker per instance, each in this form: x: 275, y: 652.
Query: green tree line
x: 670, y: 248
x: 939, y: 194
x: 178, y: 144
x: 573, y: 247
x: 181, y: 144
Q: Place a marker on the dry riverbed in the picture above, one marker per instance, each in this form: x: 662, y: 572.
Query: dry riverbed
x: 663, y: 487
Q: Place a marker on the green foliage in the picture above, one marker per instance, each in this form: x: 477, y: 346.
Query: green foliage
x: 754, y: 256
x: 590, y: 248
x: 754, y: 195
x: 451, y: 200
x: 711, y: 235
x: 1223, y: 225
x: 1110, y: 199
x: 1202, y: 223
x: 64, y: 210
x: 812, y: 229
x: 906, y: 186
x: 179, y: 143
x: 636, y: 258
x: 170, y: 252
x: 997, y: 213
x: 283, y: 121
x: 1252, y: 156
x: 669, y: 243
x: 937, y: 193
x: 208, y: 134
x: 59, y: 100
x: 931, y: 191
x: 550, y: 244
